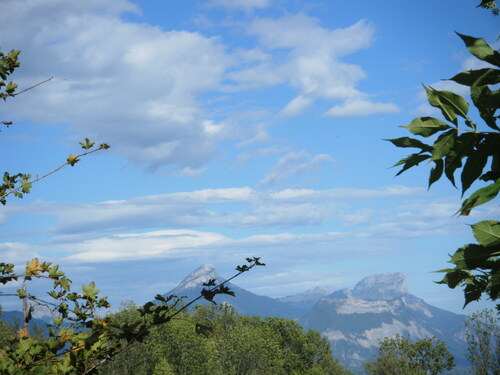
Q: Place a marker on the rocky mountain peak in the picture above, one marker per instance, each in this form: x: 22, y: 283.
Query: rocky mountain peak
x: 199, y: 276
x: 319, y: 290
x: 341, y: 294
x: 385, y: 286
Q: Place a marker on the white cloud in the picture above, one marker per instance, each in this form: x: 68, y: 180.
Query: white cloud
x: 312, y: 62
x: 17, y: 252
x: 360, y: 107
x: 209, y: 208
x: 118, y: 82
x: 240, y: 4
x: 297, y: 106
x: 292, y: 164
x: 158, y: 244
x: 273, y: 150
x: 473, y: 63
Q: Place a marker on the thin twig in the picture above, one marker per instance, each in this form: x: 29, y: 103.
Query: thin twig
x: 32, y: 87
x: 48, y: 174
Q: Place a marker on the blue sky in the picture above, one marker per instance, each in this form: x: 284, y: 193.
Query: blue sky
x: 237, y: 128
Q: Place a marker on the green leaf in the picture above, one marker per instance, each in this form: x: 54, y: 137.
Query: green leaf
x: 426, y: 126
x: 409, y: 142
x: 208, y: 295
x: 479, y: 197
x: 204, y: 330
x: 436, y: 172
x: 462, y: 147
x: 448, y: 102
x: 473, y: 256
x: 453, y: 277
x: 472, y: 292
x: 479, y: 48
x: 87, y: 144
x: 72, y: 159
x: 480, y: 77
x: 444, y: 144
x: 90, y: 291
x: 486, y: 102
x: 487, y: 232
x: 473, y: 168
x: 411, y: 161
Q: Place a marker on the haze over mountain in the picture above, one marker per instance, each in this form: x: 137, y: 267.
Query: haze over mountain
x: 353, y: 320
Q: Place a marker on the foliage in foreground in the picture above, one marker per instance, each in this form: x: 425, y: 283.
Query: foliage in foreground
x: 474, y: 147
x: 215, y: 340
x: 483, y: 343
x: 398, y: 356
x: 79, y: 339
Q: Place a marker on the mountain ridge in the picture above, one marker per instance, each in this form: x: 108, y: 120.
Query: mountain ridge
x: 353, y: 320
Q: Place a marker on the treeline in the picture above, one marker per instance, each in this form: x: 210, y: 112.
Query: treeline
x: 215, y: 340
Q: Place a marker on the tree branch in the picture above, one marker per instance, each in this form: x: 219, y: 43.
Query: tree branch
x: 69, y: 162
x: 32, y: 87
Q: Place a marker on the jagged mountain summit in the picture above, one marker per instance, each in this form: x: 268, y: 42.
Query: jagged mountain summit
x: 199, y: 276
x: 244, y: 301
x: 385, y: 286
x: 380, y: 306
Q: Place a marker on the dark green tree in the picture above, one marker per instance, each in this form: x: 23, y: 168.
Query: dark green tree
x: 216, y: 340
x: 398, y: 356
x: 483, y: 342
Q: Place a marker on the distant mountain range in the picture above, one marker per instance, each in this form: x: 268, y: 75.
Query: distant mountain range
x: 353, y: 320
x: 245, y: 302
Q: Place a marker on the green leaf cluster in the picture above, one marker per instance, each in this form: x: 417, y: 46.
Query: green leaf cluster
x: 490, y: 4
x: 8, y: 63
x: 399, y: 356
x: 460, y: 144
x: 19, y: 184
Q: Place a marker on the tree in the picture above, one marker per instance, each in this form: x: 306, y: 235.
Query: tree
x: 483, y: 342
x: 398, y: 356
x: 304, y: 353
x: 474, y: 147
x: 215, y: 340
x: 6, y: 331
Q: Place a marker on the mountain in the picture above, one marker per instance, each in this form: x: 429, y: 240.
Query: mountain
x: 245, y: 302
x: 380, y: 306
x: 307, y: 299
x: 353, y: 320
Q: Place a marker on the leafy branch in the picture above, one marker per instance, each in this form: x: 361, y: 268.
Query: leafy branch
x: 477, y: 154
x: 24, y: 181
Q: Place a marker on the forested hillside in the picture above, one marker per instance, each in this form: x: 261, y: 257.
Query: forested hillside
x: 216, y: 340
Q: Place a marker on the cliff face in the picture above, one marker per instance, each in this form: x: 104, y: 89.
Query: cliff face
x: 380, y: 306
